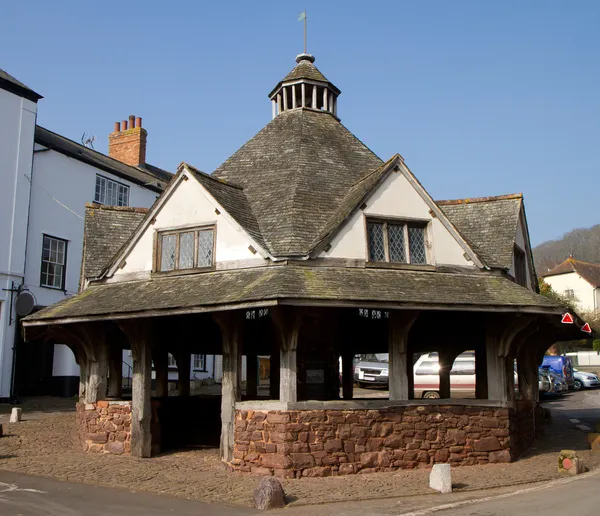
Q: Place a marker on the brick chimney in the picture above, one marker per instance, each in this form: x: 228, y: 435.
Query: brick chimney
x: 128, y: 142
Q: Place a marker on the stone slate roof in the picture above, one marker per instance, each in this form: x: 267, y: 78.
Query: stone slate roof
x: 489, y: 224
x: 588, y: 271
x: 210, y: 291
x: 233, y: 199
x: 295, y: 173
x: 107, y: 229
x: 305, y: 70
x: 151, y: 177
x: 9, y: 83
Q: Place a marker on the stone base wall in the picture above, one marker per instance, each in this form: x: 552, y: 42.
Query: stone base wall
x: 308, y: 443
x: 105, y: 426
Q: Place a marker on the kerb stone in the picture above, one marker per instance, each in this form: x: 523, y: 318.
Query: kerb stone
x: 440, y: 478
x: 15, y: 415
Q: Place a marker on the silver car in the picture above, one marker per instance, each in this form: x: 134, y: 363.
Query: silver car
x: 584, y: 379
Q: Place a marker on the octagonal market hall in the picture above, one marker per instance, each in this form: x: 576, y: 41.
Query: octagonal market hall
x: 306, y: 249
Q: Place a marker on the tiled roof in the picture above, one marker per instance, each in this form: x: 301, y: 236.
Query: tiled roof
x: 151, y: 177
x: 212, y: 290
x: 305, y: 70
x: 489, y: 224
x: 107, y: 229
x: 233, y: 199
x: 588, y: 271
x: 9, y: 83
x: 295, y: 173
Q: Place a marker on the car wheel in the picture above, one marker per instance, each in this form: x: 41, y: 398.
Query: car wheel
x: 577, y: 385
x: 431, y: 395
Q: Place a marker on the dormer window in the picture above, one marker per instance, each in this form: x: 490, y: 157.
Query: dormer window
x: 396, y: 242
x: 185, y: 249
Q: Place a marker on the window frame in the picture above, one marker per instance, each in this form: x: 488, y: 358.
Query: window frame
x: 202, y: 369
x: 64, y: 264
x: 119, y: 184
x: 520, y: 258
x: 405, y: 223
x: 178, y: 231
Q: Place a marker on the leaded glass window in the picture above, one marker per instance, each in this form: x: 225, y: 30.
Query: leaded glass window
x: 168, y: 251
x: 205, y: 248
x: 187, y: 249
x: 376, y: 242
x: 416, y: 239
x: 397, y: 242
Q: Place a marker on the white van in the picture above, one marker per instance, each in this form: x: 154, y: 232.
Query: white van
x: 462, y: 376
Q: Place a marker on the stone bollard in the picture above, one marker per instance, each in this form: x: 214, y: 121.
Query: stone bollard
x: 594, y: 441
x: 269, y: 494
x: 440, y: 478
x: 569, y: 463
x: 15, y: 415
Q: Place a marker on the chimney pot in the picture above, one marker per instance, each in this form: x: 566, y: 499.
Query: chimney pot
x: 124, y: 125
x: 128, y: 146
x: 117, y: 127
x: 138, y: 122
x: 131, y: 121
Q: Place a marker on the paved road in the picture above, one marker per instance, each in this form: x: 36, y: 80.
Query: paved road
x: 581, y: 407
x: 579, y: 497
x: 24, y: 495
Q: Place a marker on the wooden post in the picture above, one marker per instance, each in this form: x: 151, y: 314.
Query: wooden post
x: 325, y: 99
x: 294, y: 103
x: 445, y: 361
x: 279, y: 106
x: 115, y: 370
x: 231, y: 325
x: 160, y: 357
x: 347, y: 374
x: 314, y: 97
x: 274, y: 372
x: 97, y: 373
x: 399, y: 365
x: 140, y: 334
x: 183, y: 359
x: 285, y: 99
x: 287, y: 322
x: 274, y: 106
x: 303, y: 90
x: 252, y: 375
x: 496, y: 370
x: 481, y: 384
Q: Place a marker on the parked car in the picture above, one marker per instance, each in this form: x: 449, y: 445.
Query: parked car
x: 560, y: 385
x: 554, y: 386
x: 561, y: 366
x: 584, y: 379
x: 372, y: 369
x: 427, y: 379
x: 544, y: 385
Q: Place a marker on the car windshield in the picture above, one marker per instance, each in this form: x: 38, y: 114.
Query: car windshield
x: 373, y: 357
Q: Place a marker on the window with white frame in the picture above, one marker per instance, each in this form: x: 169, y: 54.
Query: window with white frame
x: 110, y: 192
x: 570, y: 294
x: 54, y: 261
x: 199, y: 362
x: 185, y: 249
x: 397, y: 242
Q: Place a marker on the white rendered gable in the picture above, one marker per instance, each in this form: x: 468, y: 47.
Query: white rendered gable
x: 397, y: 198
x: 584, y: 293
x: 191, y: 205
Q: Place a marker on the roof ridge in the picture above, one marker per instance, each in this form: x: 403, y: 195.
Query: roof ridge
x: 89, y: 149
x: 131, y: 209
x: 209, y: 176
x: 471, y: 200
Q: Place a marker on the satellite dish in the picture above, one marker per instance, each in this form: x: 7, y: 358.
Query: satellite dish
x: 25, y: 303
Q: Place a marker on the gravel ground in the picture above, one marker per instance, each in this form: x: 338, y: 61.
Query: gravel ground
x: 47, y: 446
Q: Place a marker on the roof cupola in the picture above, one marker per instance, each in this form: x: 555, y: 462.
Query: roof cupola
x: 304, y: 87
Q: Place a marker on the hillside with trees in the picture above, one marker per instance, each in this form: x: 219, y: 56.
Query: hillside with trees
x: 583, y: 244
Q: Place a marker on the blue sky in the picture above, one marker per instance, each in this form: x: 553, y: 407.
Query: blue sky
x: 481, y: 98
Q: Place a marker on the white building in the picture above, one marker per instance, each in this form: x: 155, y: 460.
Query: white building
x: 578, y: 281
x: 46, y: 181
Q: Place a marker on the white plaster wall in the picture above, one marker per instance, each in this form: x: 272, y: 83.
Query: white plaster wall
x: 61, y: 186
x: 17, y: 128
x: 584, y: 292
x: 190, y: 205
x: 397, y: 198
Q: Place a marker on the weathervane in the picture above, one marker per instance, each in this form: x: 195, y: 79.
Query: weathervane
x: 302, y: 17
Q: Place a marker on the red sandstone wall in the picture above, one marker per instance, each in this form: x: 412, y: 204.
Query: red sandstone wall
x: 336, y: 442
x: 105, y: 426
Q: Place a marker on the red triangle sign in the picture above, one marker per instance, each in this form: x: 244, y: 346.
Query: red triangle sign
x: 586, y: 328
x: 567, y: 318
